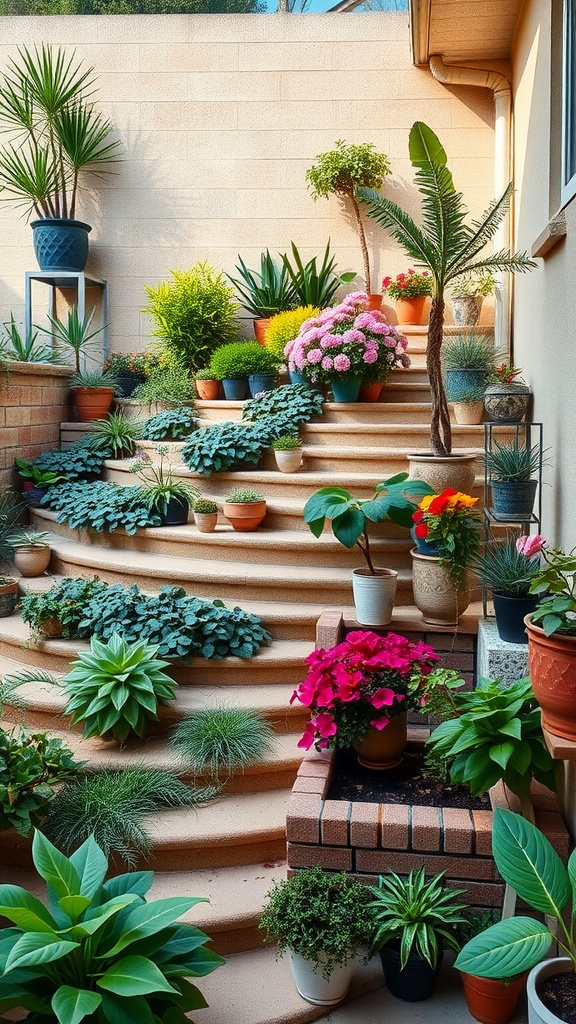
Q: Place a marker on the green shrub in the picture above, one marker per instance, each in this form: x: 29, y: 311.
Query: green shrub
x: 114, y: 689
x: 194, y: 314
x: 31, y: 765
x: 242, y: 358
x: 111, y: 805
x: 102, y: 507
x: 205, y: 507
x: 170, y: 425
x: 101, y: 951
x: 288, y: 407
x: 221, y: 740
x: 243, y: 496
x: 171, y: 385
x: 284, y: 327
x: 218, y: 448
x: 115, y: 437
x: 64, y: 601
x: 78, y: 462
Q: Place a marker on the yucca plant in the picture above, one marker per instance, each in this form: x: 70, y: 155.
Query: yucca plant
x: 445, y: 244
x: 57, y: 134
x: 266, y: 292
x: 115, y: 688
x: 221, y: 740
x: 512, y: 462
x: 93, y: 379
x: 505, y: 570
x: 418, y: 913
x: 111, y: 806
x: 26, y: 348
x: 313, y: 285
x: 74, y: 334
x: 101, y: 952
x: 116, y: 436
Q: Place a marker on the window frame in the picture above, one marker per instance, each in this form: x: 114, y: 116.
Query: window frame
x: 568, y: 184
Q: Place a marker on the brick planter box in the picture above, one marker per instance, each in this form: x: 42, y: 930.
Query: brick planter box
x: 33, y: 403
x: 366, y: 839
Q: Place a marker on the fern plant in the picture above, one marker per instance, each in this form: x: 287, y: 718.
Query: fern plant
x: 111, y: 806
x: 445, y: 244
x: 221, y: 740
x: 114, y: 689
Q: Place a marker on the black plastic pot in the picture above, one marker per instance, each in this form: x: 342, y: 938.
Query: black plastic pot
x: 510, y: 612
x: 128, y: 382
x: 514, y: 499
x: 176, y: 513
x: 415, y: 982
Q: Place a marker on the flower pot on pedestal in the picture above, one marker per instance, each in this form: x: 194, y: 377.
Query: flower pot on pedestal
x: 514, y: 499
x: 60, y: 243
x: 507, y: 403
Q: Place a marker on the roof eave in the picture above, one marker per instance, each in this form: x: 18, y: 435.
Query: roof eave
x: 420, y: 31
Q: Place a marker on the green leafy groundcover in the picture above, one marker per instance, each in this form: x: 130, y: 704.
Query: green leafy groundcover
x: 182, y: 626
x: 170, y: 424
x: 101, y: 506
x: 78, y: 462
x: 31, y: 765
x: 101, y: 951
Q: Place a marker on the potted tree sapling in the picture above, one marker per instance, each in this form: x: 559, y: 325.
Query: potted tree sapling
x: 341, y: 172
x: 59, y: 141
x: 374, y: 588
x: 320, y: 919
x: 447, y: 246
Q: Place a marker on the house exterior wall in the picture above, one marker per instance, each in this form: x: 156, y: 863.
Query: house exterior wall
x: 220, y: 117
x: 544, y: 322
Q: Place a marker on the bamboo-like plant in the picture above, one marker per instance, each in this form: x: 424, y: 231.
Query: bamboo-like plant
x: 447, y: 246
x: 56, y: 132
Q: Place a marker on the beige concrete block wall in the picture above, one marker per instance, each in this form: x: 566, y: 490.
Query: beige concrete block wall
x: 220, y: 117
x: 544, y: 331
x: 33, y: 403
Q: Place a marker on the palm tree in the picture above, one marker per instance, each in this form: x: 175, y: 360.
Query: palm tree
x: 447, y: 246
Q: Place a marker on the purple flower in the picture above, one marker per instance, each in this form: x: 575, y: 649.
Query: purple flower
x: 370, y: 356
x: 353, y: 336
x: 327, y: 363
x: 406, y: 361
x: 341, y: 363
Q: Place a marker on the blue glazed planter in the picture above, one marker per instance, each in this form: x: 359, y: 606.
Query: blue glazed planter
x: 297, y: 378
x: 60, y: 244
x: 259, y: 382
x: 346, y: 390
x: 235, y: 388
x: 514, y: 500
x: 423, y: 546
x: 461, y: 381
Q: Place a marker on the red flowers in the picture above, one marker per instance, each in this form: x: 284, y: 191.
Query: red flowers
x: 363, y: 681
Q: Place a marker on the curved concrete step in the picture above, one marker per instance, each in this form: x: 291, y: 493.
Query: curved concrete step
x: 241, y: 828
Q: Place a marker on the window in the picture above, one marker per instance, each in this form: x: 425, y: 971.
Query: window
x: 569, y: 103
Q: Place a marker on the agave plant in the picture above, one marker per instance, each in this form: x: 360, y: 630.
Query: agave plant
x: 447, y: 246
x: 266, y: 292
x: 101, y: 951
x: 115, y: 688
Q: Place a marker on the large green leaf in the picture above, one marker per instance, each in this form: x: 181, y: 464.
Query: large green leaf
x: 126, y: 1010
x: 134, y: 976
x: 74, y: 906
x: 349, y: 527
x: 97, y: 916
x: 24, y: 910
x: 528, y: 862
x: 507, y: 948
x: 36, y: 948
x: 71, y: 1005
x: 54, y: 867
x: 150, y: 918
x: 90, y: 864
x: 425, y: 147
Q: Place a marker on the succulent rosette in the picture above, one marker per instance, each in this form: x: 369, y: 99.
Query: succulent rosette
x: 345, y: 342
x: 364, y: 681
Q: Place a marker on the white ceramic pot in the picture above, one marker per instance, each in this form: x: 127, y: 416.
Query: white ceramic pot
x: 32, y: 559
x: 537, y: 1012
x: 374, y: 595
x: 289, y: 461
x: 457, y: 471
x: 314, y: 988
x: 206, y: 521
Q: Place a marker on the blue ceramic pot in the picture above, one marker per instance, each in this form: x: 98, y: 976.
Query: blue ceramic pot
x: 514, y: 499
x: 297, y: 378
x: 60, y: 244
x: 423, y: 546
x: 346, y: 390
x: 259, y: 382
x: 460, y: 381
x: 235, y: 388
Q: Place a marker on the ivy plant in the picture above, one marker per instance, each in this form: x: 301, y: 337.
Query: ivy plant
x: 225, y: 445
x: 31, y: 765
x: 169, y: 425
x: 101, y: 952
x: 288, y: 406
x: 78, y: 462
x: 102, y: 507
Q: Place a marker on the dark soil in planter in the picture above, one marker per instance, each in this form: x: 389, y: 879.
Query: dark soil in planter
x: 404, y: 784
x: 558, y: 993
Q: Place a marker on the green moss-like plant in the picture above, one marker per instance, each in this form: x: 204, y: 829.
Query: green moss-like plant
x: 286, y: 443
x: 111, y: 806
x: 205, y: 507
x: 244, y: 496
x: 221, y: 740
x: 171, y: 385
x: 242, y: 358
x: 194, y: 314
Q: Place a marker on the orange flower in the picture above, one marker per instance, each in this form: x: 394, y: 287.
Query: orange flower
x: 461, y: 500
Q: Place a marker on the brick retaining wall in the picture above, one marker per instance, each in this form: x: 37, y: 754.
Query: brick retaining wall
x: 33, y: 403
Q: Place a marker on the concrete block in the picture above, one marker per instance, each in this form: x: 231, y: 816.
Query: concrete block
x: 498, y: 659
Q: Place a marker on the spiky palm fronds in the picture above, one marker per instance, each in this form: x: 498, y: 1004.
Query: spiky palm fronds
x: 111, y: 805
x: 11, y: 683
x: 222, y: 740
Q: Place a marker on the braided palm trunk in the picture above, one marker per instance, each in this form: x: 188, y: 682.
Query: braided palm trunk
x: 440, y: 429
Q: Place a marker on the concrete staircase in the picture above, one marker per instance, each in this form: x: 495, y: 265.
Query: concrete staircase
x: 231, y: 849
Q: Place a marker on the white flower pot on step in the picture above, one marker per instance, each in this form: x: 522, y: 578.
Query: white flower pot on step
x: 289, y: 461
x: 537, y: 1012
x: 374, y: 595
x: 316, y: 989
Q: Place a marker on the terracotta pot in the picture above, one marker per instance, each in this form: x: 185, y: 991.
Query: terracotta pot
x: 206, y: 521
x: 468, y: 412
x: 491, y: 1000
x: 51, y: 627
x: 92, y: 403
x: 289, y: 461
x: 375, y: 301
x: 371, y: 392
x: 411, y: 311
x: 208, y: 390
x: 244, y: 516
x: 381, y: 749
x: 434, y: 592
x: 32, y: 559
x: 552, y: 670
x: 261, y: 325
x: 458, y: 471
x: 8, y: 597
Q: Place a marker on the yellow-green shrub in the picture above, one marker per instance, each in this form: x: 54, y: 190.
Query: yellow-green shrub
x: 285, y: 326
